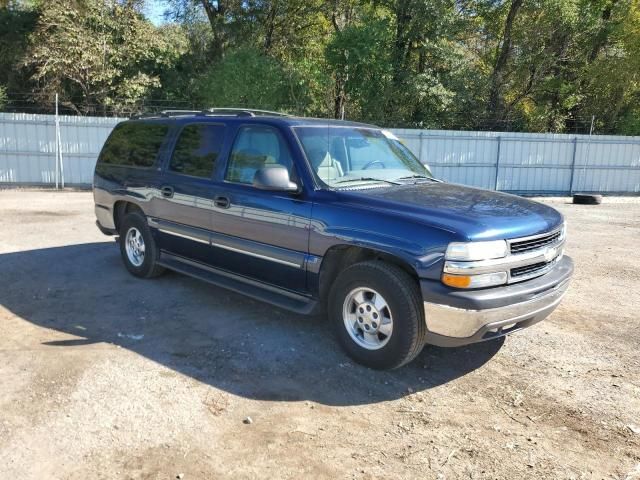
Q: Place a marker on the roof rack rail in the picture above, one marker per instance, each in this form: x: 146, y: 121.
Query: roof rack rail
x: 168, y: 113
x: 244, y: 112
x: 249, y: 112
x: 176, y: 113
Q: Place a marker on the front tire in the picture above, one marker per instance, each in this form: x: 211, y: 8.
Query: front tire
x: 377, y: 314
x: 138, y: 247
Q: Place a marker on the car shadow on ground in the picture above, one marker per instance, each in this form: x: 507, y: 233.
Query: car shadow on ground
x: 218, y: 337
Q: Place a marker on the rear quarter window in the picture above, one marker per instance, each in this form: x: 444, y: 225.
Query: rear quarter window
x: 133, y: 144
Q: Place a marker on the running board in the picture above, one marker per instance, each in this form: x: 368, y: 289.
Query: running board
x: 251, y: 288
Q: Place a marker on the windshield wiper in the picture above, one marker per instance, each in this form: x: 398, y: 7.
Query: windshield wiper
x: 367, y: 179
x: 417, y: 175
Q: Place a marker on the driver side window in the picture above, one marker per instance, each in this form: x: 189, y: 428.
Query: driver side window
x: 256, y: 147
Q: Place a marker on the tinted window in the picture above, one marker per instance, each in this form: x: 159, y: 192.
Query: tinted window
x: 197, y: 150
x: 133, y: 144
x: 257, y: 147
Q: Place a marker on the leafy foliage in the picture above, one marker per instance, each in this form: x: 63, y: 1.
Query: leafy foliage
x: 100, y: 55
x: 247, y: 78
x: 539, y: 65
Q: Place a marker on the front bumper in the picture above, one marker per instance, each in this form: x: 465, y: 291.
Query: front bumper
x: 456, y: 317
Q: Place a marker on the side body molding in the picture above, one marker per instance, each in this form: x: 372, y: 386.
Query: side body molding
x: 247, y: 247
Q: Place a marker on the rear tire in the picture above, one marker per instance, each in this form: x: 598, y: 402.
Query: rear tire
x: 377, y: 313
x: 138, y: 247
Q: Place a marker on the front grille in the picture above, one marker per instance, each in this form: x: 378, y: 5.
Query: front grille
x: 523, y: 246
x: 528, y: 269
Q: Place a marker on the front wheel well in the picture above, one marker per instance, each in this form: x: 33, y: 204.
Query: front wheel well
x: 339, y: 257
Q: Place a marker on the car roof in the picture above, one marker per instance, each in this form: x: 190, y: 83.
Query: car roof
x: 272, y: 119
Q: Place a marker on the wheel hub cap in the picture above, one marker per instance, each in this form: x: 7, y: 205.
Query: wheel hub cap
x: 134, y: 246
x: 367, y: 318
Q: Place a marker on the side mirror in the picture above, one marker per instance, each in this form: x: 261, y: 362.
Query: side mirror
x: 274, y: 178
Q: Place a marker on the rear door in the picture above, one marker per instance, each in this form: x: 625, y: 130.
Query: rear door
x: 188, y: 190
x: 129, y: 166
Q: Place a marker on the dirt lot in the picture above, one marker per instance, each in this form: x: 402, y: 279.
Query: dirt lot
x: 107, y: 376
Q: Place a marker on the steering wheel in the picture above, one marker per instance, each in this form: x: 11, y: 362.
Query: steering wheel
x: 373, y: 162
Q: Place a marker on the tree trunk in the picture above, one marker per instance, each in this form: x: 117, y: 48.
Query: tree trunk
x: 494, y: 108
x: 270, y: 26
x: 561, y: 42
x: 215, y: 15
x: 600, y: 40
x: 340, y: 98
x: 340, y: 20
x: 401, y: 42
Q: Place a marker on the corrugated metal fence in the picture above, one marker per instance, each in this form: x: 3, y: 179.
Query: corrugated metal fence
x: 530, y: 162
x: 28, y: 147
x: 514, y: 162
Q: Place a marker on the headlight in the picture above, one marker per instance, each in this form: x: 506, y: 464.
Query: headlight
x: 476, y: 250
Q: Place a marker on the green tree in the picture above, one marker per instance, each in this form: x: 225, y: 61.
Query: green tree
x: 248, y: 78
x: 360, y: 57
x: 99, y: 54
x: 538, y: 65
x: 395, y: 62
x: 17, y: 21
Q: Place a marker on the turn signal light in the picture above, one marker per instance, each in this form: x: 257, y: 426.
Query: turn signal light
x: 458, y: 281
x: 475, y: 281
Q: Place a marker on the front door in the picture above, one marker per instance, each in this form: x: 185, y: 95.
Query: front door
x: 265, y: 234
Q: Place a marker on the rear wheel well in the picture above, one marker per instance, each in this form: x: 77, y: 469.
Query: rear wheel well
x: 120, y: 210
x: 337, y: 258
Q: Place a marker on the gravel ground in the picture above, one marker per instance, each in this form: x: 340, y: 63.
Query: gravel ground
x: 107, y: 376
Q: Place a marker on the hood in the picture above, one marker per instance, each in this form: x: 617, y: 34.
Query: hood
x: 470, y: 213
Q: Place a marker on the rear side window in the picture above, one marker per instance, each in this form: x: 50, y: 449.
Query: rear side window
x: 197, y: 150
x: 133, y: 144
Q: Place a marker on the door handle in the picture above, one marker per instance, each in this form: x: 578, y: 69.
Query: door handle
x: 166, y: 191
x: 221, y: 202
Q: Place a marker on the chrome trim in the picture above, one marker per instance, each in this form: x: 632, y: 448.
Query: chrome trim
x: 460, y: 323
x: 257, y: 255
x: 182, y: 235
x: 537, y: 273
x: 501, y: 264
x: 533, y: 237
x: 549, y: 254
x: 168, y: 230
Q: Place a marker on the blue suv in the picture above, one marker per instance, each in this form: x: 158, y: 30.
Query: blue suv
x: 322, y: 216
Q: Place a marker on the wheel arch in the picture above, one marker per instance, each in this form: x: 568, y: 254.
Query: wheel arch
x: 341, y: 256
x: 121, y: 208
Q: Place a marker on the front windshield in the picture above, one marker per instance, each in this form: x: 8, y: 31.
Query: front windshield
x: 343, y: 156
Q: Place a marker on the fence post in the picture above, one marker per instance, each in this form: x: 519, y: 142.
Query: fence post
x: 498, y: 162
x: 420, y: 146
x: 58, y: 148
x: 573, y: 164
x: 57, y: 145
